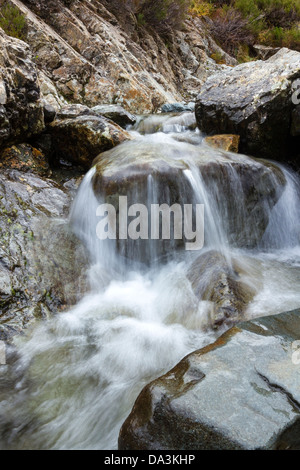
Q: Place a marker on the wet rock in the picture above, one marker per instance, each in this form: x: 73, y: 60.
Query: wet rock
x: 228, y: 142
x: 115, y: 113
x: 173, y: 122
x: 218, y: 280
x: 177, y: 107
x: 80, y: 139
x: 21, y: 109
x: 242, y: 189
x: 241, y: 392
x: 253, y: 100
x: 24, y: 157
x: 37, y: 251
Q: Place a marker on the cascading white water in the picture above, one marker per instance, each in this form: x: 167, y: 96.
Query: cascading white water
x: 283, y: 231
x: 77, y: 375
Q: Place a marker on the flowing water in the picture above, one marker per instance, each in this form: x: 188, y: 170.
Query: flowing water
x: 73, y: 379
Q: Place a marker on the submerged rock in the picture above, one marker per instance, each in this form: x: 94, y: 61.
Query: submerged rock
x: 80, y: 139
x: 213, y: 278
x: 253, y: 100
x: 241, y: 392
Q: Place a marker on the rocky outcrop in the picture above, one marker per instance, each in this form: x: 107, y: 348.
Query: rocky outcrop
x: 21, y: 107
x: 253, y: 100
x: 241, y: 392
x: 218, y: 280
x: 36, y: 252
x: 86, y: 56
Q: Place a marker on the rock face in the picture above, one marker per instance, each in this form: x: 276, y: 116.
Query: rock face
x: 86, y: 56
x: 21, y: 107
x: 242, y: 392
x: 79, y: 140
x: 36, y: 252
x: 253, y: 100
x: 215, y: 280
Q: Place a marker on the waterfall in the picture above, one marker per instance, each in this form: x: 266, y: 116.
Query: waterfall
x: 77, y: 375
x: 283, y: 231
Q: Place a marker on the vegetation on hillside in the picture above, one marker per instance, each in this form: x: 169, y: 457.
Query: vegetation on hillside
x: 238, y: 24
x: 235, y: 24
x: 12, y: 21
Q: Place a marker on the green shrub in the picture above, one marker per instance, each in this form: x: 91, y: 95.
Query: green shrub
x: 164, y: 15
x: 279, y: 37
x: 230, y: 30
x: 13, y: 22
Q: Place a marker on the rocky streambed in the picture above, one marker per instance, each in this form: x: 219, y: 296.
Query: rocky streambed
x: 140, y: 343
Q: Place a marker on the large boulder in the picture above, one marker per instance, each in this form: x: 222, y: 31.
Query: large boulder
x: 241, y: 392
x: 253, y: 100
x: 80, y: 139
x: 238, y: 191
x: 21, y: 107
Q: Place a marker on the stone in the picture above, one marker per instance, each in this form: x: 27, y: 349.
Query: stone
x: 177, y: 107
x: 215, y: 280
x: 265, y: 52
x: 25, y: 158
x: 125, y: 169
x: 79, y: 140
x: 254, y: 101
x: 49, y: 113
x: 37, y: 251
x: 21, y: 107
x: 71, y: 111
x: 227, y: 142
x: 116, y: 114
x: 240, y: 393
